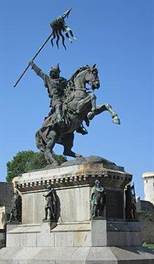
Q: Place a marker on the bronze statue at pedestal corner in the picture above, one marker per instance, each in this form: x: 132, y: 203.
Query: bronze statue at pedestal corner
x: 16, y: 211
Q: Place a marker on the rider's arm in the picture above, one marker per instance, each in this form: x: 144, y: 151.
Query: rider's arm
x: 38, y: 71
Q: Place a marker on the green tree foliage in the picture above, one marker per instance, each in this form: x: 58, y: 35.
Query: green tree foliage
x: 26, y: 161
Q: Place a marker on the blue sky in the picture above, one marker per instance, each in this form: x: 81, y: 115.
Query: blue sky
x: 114, y: 34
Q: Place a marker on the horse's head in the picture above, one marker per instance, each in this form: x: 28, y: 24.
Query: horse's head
x: 91, y: 77
x: 86, y: 74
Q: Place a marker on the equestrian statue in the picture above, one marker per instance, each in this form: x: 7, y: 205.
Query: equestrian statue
x: 72, y: 103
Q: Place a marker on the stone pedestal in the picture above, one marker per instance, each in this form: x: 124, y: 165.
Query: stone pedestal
x: 75, y: 238
x: 73, y: 184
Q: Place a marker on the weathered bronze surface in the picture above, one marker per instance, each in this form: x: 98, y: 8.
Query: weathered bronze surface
x: 16, y: 211
x: 72, y: 103
x: 98, y: 200
x: 52, y: 206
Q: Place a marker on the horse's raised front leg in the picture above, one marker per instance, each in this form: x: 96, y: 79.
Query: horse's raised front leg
x: 115, y: 117
x: 102, y: 108
x: 67, y: 142
x: 93, y: 102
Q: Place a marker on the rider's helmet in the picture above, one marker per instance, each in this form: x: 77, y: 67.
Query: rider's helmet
x: 55, y: 72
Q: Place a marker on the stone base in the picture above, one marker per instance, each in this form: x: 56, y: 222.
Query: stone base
x: 76, y: 255
x: 75, y: 238
x: 95, y: 242
x: 95, y: 233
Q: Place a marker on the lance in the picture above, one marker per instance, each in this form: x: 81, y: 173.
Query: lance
x: 58, y: 27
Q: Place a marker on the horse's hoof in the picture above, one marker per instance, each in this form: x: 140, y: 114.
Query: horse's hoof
x: 116, y: 120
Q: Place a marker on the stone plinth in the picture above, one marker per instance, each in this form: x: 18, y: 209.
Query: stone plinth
x: 76, y: 255
x: 75, y: 238
x: 96, y: 242
x: 73, y: 185
x: 95, y: 233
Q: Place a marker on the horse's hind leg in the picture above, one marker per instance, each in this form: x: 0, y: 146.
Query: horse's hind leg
x: 50, y: 142
x: 68, y: 144
x: 39, y: 141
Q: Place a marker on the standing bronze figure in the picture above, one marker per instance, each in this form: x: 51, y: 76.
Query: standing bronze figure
x: 98, y: 200
x: 51, y: 207
x: 130, y: 208
x: 16, y: 210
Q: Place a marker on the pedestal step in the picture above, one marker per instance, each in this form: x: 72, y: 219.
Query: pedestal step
x: 95, y: 233
x: 76, y: 255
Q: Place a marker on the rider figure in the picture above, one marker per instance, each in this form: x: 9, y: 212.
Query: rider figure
x: 57, y: 92
x: 56, y: 86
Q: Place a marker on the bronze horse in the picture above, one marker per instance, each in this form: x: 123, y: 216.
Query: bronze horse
x: 79, y: 105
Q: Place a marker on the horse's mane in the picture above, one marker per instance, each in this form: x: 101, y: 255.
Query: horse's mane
x: 82, y: 68
x: 70, y: 82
